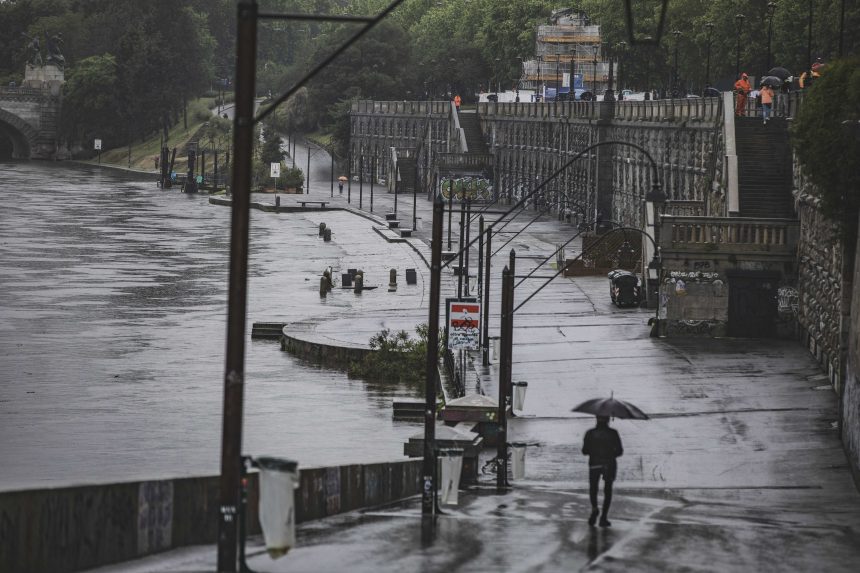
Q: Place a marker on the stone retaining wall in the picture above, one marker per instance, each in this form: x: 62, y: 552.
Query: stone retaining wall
x: 75, y: 528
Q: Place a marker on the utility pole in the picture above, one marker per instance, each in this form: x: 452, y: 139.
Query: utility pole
x: 486, y: 300
x: 431, y: 366
x: 234, y: 375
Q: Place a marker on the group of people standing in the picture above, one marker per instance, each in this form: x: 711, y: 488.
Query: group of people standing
x: 765, y: 95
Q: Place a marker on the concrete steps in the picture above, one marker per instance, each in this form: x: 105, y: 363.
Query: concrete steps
x: 764, y: 168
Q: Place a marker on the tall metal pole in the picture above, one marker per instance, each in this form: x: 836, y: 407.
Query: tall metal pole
x: 450, y: 209
x: 415, y: 205
x: 396, y: 187
x: 739, y: 19
x: 332, y: 174
x: 429, y: 465
x: 808, y: 81
x: 234, y: 371
x: 361, y: 181
x: 372, y: 179
x: 486, y: 300
x: 467, y: 241
x: 308, y: 182
x: 841, y: 27
x: 481, y: 258
x: 710, y: 27
x: 771, y: 9
x: 460, y: 257
x: 501, y: 415
x: 676, y: 89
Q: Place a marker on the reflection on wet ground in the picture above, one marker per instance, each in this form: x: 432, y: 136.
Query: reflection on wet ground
x: 112, y: 335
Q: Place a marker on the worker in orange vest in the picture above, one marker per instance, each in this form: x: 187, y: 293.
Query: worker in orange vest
x: 457, y: 101
x: 742, y: 88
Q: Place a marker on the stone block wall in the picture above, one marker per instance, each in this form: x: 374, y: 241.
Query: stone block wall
x: 850, y: 402
x: 70, y: 529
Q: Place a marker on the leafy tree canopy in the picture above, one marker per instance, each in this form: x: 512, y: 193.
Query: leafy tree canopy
x: 826, y: 137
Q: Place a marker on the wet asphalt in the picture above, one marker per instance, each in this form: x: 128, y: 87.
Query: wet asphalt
x: 739, y: 469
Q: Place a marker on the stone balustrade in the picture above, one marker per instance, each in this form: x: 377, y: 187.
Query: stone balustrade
x: 729, y: 235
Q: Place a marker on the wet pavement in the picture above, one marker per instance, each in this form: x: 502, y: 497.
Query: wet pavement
x: 739, y: 469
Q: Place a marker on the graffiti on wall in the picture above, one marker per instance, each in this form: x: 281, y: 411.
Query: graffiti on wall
x: 154, y: 516
x: 788, y: 300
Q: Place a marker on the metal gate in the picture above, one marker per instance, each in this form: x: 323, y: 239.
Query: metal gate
x: 753, y: 304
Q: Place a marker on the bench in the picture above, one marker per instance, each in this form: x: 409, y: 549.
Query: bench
x: 305, y: 202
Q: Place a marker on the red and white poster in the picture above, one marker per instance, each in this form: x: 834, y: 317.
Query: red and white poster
x: 464, y: 325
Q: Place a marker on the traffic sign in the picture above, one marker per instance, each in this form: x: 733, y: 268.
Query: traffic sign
x: 275, y: 170
x: 98, y: 144
x: 464, y: 325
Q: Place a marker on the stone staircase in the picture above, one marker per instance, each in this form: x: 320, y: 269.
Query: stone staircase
x: 764, y: 168
x: 471, y: 125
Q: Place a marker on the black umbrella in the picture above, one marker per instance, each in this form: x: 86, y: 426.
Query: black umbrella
x: 771, y: 81
x: 712, y: 92
x: 779, y: 72
x: 612, y: 408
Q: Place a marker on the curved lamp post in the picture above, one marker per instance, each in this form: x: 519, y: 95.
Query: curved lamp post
x: 594, y: 51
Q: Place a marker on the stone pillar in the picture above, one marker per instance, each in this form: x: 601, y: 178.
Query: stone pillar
x: 603, y: 179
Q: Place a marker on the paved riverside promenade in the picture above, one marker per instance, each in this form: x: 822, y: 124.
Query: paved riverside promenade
x: 739, y: 469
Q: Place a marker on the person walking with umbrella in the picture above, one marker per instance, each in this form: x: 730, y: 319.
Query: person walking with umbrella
x: 602, y: 445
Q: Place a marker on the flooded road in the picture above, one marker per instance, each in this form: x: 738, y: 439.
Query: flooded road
x: 112, y: 336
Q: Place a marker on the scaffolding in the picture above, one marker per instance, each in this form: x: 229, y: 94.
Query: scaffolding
x: 570, y: 44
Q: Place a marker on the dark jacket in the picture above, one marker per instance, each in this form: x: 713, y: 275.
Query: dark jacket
x: 602, y: 445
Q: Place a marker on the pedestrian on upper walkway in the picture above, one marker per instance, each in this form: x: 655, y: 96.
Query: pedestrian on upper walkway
x: 457, y: 101
x: 602, y: 445
x: 742, y: 88
x: 766, y: 102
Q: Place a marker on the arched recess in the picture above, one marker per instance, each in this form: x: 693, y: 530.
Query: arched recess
x: 22, y: 134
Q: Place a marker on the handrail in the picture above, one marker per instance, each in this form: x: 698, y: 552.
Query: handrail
x: 744, y: 232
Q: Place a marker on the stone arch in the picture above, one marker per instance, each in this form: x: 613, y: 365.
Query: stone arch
x: 21, y: 133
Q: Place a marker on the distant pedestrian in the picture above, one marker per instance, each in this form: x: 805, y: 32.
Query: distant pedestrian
x: 157, y: 159
x: 602, y: 445
x: 742, y: 88
x: 457, y: 101
x: 766, y: 103
x: 340, y: 187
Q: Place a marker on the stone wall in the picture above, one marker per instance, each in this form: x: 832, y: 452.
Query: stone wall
x: 850, y: 402
x: 75, y: 528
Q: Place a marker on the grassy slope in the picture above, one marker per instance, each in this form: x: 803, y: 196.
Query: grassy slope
x: 143, y: 153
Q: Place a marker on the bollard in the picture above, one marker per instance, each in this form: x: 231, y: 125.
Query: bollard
x: 323, y: 286
x: 277, y: 201
x: 392, y: 281
x: 411, y: 277
x: 322, y: 229
x: 327, y: 278
x: 358, y: 282
x: 327, y: 235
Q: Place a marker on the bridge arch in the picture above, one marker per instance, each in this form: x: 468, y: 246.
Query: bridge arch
x: 21, y: 133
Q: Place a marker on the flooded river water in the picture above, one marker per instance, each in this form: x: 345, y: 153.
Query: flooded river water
x: 112, y: 336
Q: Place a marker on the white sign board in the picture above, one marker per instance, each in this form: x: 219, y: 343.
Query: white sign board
x: 275, y: 170
x: 464, y: 325
x: 565, y: 80
x: 98, y: 144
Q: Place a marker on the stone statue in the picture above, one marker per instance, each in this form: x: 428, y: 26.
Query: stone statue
x: 34, y: 49
x: 52, y: 44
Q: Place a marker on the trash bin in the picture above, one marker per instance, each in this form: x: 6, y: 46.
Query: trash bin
x: 624, y: 288
x: 518, y: 460
x: 278, y: 479
x: 519, y: 394
x: 451, y: 465
x: 346, y: 280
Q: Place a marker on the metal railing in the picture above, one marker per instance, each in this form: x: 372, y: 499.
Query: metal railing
x: 401, y: 107
x: 578, y: 109
x: 709, y: 108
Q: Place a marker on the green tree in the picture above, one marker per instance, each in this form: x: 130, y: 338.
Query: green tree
x: 89, y: 100
x: 826, y: 137
x: 394, y: 357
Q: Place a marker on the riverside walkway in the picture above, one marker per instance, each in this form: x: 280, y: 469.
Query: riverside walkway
x: 739, y: 469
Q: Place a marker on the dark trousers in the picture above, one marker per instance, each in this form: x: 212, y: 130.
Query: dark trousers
x: 594, y: 475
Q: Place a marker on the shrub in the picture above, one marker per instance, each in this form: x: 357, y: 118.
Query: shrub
x: 395, y: 358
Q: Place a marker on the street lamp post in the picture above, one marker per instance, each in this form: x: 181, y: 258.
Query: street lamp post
x: 739, y: 20
x: 709, y: 26
x: 771, y: 9
x: 622, y: 49
x: 808, y: 81
x: 557, y: 82
x: 594, y: 49
x: 676, y: 89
